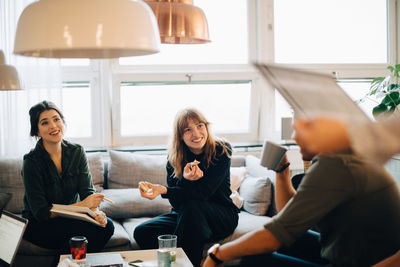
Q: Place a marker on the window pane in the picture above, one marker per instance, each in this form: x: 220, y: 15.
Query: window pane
x: 227, y: 24
x: 282, y: 110
x: 77, y: 109
x: 151, y: 109
x: 357, y: 89
x: 331, y: 31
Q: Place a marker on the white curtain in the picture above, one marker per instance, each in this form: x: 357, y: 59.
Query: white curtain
x: 41, y: 80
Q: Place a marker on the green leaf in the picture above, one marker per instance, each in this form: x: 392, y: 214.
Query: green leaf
x: 379, y: 109
x: 393, y: 86
x: 396, y: 71
x: 390, y: 99
x: 377, y: 85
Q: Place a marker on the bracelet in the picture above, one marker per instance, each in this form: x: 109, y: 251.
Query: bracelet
x: 284, y: 167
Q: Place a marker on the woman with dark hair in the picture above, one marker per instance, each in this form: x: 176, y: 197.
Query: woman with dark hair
x: 202, y: 210
x: 57, y: 172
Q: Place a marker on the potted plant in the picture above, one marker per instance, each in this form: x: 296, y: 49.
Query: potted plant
x: 386, y: 88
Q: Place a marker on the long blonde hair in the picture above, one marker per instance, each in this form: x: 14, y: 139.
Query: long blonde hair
x: 177, y: 150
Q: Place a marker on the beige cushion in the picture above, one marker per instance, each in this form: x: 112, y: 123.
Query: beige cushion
x: 96, y: 169
x: 128, y: 203
x: 128, y: 169
x: 237, y: 176
x: 256, y: 192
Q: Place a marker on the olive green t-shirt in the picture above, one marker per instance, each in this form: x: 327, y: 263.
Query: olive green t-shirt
x: 45, y: 186
x: 356, y: 208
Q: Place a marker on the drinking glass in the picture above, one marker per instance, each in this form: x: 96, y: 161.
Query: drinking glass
x: 78, y: 245
x: 168, y: 242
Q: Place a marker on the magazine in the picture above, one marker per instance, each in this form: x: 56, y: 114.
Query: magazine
x: 312, y: 94
x: 75, y: 212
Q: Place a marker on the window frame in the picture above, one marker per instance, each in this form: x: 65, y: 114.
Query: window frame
x: 88, y: 74
x: 144, y: 77
x: 105, y: 77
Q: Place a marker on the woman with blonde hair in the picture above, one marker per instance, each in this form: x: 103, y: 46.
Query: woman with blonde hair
x: 198, y: 178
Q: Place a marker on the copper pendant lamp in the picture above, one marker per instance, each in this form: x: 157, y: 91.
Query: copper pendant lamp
x: 8, y: 75
x: 180, y: 22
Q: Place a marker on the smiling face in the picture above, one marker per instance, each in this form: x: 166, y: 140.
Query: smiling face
x: 195, y: 136
x: 50, y: 127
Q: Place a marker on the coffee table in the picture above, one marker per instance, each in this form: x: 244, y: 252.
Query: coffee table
x: 148, y: 256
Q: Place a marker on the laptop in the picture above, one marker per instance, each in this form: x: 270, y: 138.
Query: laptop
x: 12, y: 228
x: 312, y: 94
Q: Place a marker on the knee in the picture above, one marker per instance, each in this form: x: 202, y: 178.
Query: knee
x: 109, y: 229
x: 141, y: 235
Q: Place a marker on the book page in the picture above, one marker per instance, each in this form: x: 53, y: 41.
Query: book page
x: 75, y: 209
x: 73, y: 215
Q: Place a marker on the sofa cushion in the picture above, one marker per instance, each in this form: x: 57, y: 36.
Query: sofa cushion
x: 96, y: 169
x: 127, y: 169
x: 247, y: 223
x: 256, y: 192
x: 237, y: 176
x: 130, y: 225
x: 256, y: 170
x: 11, y: 182
x: 128, y: 203
x: 238, y: 161
x: 119, y: 238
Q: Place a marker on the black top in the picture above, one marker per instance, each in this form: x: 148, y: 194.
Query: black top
x: 214, y: 186
x: 45, y: 186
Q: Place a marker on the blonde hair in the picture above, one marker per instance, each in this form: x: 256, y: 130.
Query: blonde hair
x: 177, y: 149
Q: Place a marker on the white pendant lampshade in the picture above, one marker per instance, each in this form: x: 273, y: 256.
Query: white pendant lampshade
x: 87, y: 29
x: 180, y: 22
x: 8, y: 75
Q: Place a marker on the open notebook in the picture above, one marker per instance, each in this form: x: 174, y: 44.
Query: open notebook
x: 12, y: 229
x: 312, y: 94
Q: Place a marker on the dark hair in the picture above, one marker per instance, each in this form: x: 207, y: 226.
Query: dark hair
x: 35, y: 112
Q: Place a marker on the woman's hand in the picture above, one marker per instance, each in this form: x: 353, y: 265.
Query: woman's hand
x: 92, y: 201
x: 101, y: 217
x: 192, y: 172
x: 154, y: 190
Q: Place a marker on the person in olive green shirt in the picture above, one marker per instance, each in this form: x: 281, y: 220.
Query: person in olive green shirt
x: 57, y: 172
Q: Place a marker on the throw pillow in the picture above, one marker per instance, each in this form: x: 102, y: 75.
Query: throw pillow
x: 256, y: 170
x: 128, y: 169
x: 128, y: 203
x: 237, y: 176
x: 4, y: 198
x: 96, y: 169
x: 256, y: 192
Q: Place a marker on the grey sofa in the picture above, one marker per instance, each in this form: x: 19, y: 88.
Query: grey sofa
x: 116, y: 174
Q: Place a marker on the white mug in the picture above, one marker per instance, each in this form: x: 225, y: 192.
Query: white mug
x: 272, y: 155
